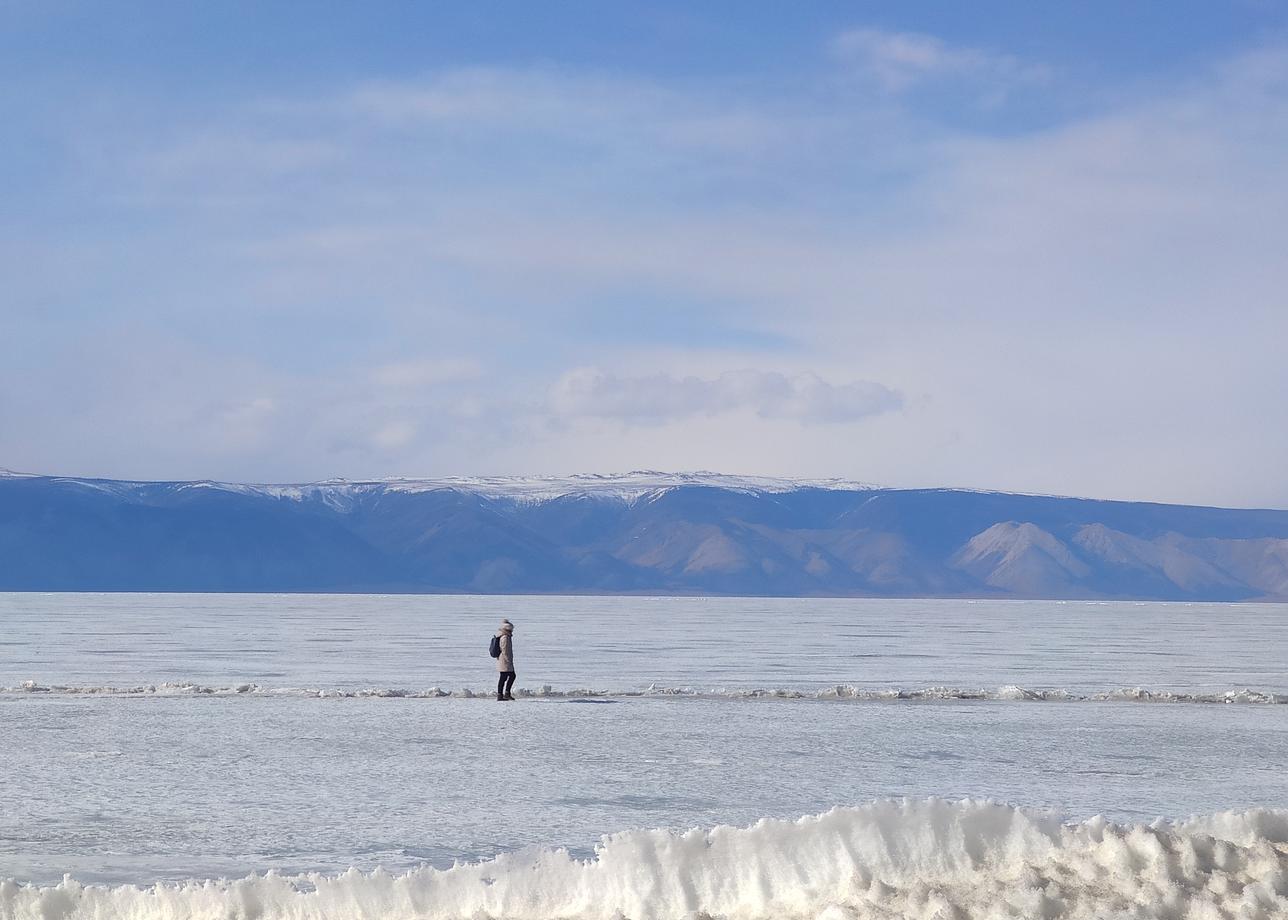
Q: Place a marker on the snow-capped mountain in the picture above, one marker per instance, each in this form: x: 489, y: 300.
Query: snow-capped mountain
x: 624, y: 487
x: 639, y: 532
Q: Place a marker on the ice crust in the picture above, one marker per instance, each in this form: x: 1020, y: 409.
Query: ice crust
x: 892, y: 859
x: 839, y: 692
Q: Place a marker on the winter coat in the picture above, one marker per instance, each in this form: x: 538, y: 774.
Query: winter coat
x: 506, y: 661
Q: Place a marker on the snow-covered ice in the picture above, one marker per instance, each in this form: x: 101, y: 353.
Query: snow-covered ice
x: 158, y: 743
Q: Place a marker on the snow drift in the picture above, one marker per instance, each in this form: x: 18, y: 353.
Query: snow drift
x: 908, y: 859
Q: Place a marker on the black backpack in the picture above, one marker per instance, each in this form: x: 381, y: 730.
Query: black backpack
x: 495, y: 648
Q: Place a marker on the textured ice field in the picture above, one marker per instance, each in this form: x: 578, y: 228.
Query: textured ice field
x: 410, y: 644
x: 312, y: 755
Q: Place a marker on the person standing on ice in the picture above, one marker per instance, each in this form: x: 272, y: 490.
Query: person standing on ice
x: 505, y: 661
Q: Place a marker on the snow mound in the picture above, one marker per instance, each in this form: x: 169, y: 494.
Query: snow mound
x: 909, y: 859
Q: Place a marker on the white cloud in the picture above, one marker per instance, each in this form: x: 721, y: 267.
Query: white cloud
x: 662, y: 397
x: 900, y: 60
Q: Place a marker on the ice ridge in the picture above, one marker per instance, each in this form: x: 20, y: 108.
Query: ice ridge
x: 893, y: 859
x: 840, y: 692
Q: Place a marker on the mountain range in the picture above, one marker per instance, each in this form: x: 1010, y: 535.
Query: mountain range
x: 644, y: 533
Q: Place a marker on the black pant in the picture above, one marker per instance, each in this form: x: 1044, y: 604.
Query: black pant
x: 504, y: 682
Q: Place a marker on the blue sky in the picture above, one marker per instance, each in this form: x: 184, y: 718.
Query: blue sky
x: 1008, y: 245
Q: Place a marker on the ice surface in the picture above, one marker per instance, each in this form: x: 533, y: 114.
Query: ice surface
x: 730, y: 645
x: 909, y: 859
x: 167, y: 739
x: 133, y: 789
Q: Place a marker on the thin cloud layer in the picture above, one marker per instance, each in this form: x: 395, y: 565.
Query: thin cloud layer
x: 394, y: 274
x: 900, y: 60
x: 661, y: 398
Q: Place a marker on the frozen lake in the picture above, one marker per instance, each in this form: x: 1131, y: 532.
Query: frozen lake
x: 413, y: 643
x: 170, y: 737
